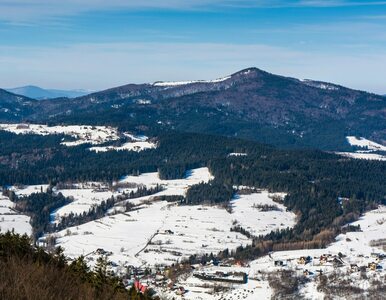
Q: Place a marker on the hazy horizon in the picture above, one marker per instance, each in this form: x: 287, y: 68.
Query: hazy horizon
x: 95, y: 45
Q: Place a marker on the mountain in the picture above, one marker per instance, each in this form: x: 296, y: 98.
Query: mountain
x: 251, y: 104
x: 14, y: 107
x: 39, y: 93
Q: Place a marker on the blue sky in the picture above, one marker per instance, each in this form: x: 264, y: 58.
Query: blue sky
x: 96, y: 44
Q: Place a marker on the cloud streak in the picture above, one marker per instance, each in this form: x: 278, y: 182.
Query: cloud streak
x: 19, y: 11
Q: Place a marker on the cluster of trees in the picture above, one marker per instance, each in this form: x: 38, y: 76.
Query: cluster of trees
x: 100, y: 210
x: 213, y: 192
x: 243, y: 231
x: 28, y: 272
x: 316, y: 183
x: 39, y: 207
x: 38, y: 163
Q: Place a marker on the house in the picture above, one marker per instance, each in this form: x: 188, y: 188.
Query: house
x: 22, y: 126
x: 372, y: 266
x: 337, y: 262
x: 140, y: 287
x: 239, y: 263
x: 354, y: 267
x: 160, y: 277
x: 377, y: 256
x: 231, y: 277
x: 100, y: 251
x: 171, y: 286
x: 279, y: 263
x: 323, y: 259
x: 221, y: 274
x: 180, y: 291
x: 304, y: 260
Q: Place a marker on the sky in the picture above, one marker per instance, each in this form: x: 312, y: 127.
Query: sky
x: 98, y: 44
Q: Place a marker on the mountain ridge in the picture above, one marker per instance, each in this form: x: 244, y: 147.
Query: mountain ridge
x: 39, y: 93
x: 251, y: 104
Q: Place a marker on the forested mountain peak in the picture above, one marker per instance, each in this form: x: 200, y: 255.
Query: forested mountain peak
x: 251, y: 104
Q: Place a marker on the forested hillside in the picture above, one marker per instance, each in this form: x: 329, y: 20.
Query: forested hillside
x: 250, y: 104
x: 314, y: 180
x: 28, y: 272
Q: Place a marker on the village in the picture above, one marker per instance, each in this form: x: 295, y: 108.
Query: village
x: 173, y: 251
x: 359, y: 266
x: 224, y: 279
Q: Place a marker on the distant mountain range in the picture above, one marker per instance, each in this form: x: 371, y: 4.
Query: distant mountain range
x: 39, y: 93
x: 250, y: 104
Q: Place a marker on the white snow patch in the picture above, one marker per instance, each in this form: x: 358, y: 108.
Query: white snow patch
x: 246, y: 209
x: 28, y: 190
x: 10, y: 219
x: 237, y: 154
x: 142, y: 236
x: 173, y: 187
x: 129, y: 146
x: 179, y: 83
x: 83, y: 201
x: 365, y: 143
x: 163, y: 233
x: 367, y: 156
x: 82, y: 133
x: 320, y: 85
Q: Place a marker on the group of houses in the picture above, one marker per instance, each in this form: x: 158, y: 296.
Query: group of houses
x: 369, y: 263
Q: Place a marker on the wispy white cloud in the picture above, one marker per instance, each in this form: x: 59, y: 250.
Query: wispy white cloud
x: 338, y: 3
x: 99, y: 66
x: 19, y: 11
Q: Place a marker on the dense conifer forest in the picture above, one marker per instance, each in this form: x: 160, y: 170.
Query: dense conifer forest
x: 314, y: 180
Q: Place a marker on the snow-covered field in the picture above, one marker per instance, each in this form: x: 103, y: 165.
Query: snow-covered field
x: 29, y: 189
x: 247, y: 211
x: 357, y: 249
x: 84, y: 134
x: 10, y: 219
x: 367, y: 148
x: 83, y: 201
x: 365, y: 143
x: 367, y: 156
x: 373, y: 226
x: 156, y: 234
x: 129, y: 146
x: 132, y: 231
x: 136, y: 143
x: 159, y: 232
x: 86, y: 196
x: 172, y: 187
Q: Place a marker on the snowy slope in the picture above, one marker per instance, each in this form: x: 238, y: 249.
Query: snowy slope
x: 10, y: 219
x: 159, y: 232
x: 365, y: 143
x: 245, y: 210
x: 84, y: 134
x: 179, y: 83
